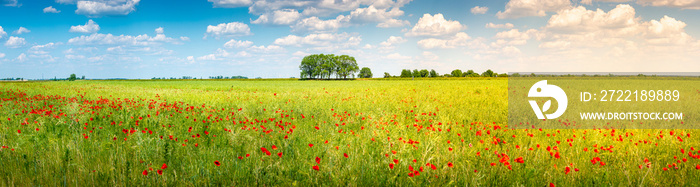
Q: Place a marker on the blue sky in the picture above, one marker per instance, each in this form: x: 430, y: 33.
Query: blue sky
x: 268, y: 38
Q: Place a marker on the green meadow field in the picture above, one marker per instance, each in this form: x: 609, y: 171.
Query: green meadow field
x: 367, y: 132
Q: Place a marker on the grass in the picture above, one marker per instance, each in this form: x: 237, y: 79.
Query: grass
x: 109, y: 133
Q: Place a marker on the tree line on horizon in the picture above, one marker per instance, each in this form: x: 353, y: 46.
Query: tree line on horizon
x: 407, y: 73
x: 324, y: 66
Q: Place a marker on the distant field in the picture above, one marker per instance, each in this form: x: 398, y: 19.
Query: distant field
x: 313, y: 133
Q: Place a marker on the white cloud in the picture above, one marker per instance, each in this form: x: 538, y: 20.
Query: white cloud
x: 89, y: 27
x: 231, y: 3
x: 21, y: 58
x: 460, y: 39
x: 50, y: 9
x: 429, y: 25
x: 2, y: 55
x: 397, y: 56
x: 667, y: 30
x: 190, y: 59
x: 525, y: 8
x: 238, y: 44
x: 41, y: 49
x: 2, y: 32
x: 15, y: 42
x: 393, y: 23
x: 21, y: 30
x: 98, y: 8
x: 393, y: 40
x: 324, y: 39
x: 512, y: 37
x: 266, y: 49
x: 479, y: 10
x: 159, y: 30
x: 184, y: 38
x: 499, y: 26
x: 229, y: 29
x: 684, y: 4
x: 109, y: 39
x: 389, y: 44
x: 11, y: 3
x: 314, y: 24
x: 385, y: 17
x: 278, y: 17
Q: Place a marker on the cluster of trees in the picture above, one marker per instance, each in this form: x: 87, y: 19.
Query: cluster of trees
x: 324, y: 66
x: 455, y: 73
x: 232, y: 77
x: 11, y: 79
x: 73, y: 77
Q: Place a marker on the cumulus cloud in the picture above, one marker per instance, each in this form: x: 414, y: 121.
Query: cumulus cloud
x: 499, y: 26
x: 21, y: 58
x: 389, y: 44
x: 21, y: 30
x: 15, y: 42
x: 41, y: 49
x: 2, y: 32
x: 50, y: 9
x: 460, y: 39
x: 98, y: 8
x: 89, y: 27
x: 684, y: 4
x: 238, y: 44
x: 479, y: 10
x: 230, y: 3
x: 436, y: 25
x: 229, y: 30
x: 525, y: 8
x: 323, y: 39
x: 384, y: 18
x: 618, y: 28
x: 159, y: 30
x: 2, y: 55
x: 278, y: 17
x: 109, y: 39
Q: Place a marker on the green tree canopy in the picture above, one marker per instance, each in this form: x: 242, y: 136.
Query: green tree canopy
x: 456, y: 73
x: 433, y: 73
x: 365, y: 72
x: 72, y: 77
x: 326, y: 65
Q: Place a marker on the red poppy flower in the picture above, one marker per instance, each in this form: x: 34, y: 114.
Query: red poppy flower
x: 145, y: 172
x: 217, y: 163
x: 345, y: 154
x: 279, y: 154
x: 318, y: 160
x: 274, y: 147
x: 315, y: 168
x: 449, y: 164
x: 311, y: 145
x: 396, y: 161
x: 160, y: 172
x: 567, y: 170
x: 391, y: 166
x: 520, y: 160
x: 164, y: 166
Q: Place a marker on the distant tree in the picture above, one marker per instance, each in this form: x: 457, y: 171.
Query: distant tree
x: 424, y: 73
x: 433, y: 73
x: 416, y: 73
x: 365, y: 72
x: 503, y: 75
x: 406, y: 73
x: 488, y: 73
x: 386, y: 75
x: 72, y: 77
x: 471, y: 73
x: 456, y: 73
x: 83, y: 78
